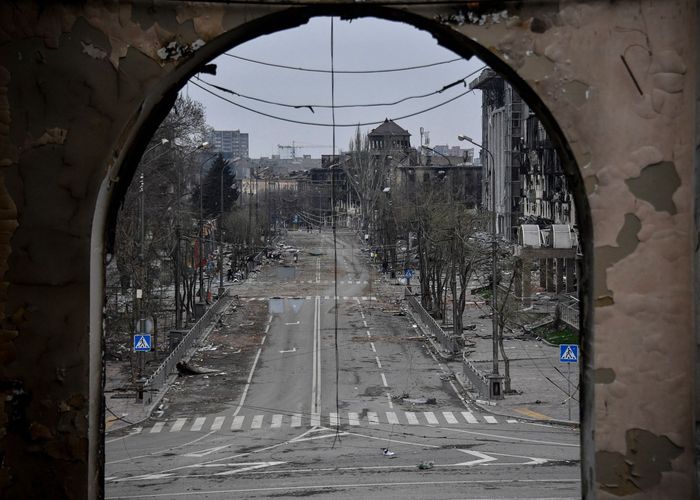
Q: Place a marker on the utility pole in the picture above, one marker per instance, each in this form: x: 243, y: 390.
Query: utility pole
x: 139, y: 291
x: 495, y: 376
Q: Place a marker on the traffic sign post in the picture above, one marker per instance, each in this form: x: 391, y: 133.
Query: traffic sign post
x: 568, y: 353
x: 142, y: 343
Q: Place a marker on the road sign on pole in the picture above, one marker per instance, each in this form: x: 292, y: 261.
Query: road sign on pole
x: 568, y: 353
x: 142, y: 343
x: 408, y: 273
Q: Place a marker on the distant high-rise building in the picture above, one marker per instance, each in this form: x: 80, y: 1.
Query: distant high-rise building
x: 230, y: 143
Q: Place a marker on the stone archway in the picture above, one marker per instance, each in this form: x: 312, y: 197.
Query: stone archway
x: 625, y: 121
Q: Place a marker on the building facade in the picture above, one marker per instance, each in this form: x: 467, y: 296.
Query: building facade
x: 230, y: 143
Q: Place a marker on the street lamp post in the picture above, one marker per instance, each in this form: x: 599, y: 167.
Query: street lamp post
x: 201, y: 225
x: 494, y: 252
x: 221, y: 229
x: 142, y: 243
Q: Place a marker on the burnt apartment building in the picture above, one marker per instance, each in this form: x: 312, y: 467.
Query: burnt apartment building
x: 530, y: 187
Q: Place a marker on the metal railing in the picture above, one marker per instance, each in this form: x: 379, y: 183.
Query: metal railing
x: 157, y: 380
x: 478, y: 380
x: 570, y: 314
x: 447, y: 341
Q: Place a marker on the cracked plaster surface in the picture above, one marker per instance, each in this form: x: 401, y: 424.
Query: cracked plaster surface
x: 643, y: 325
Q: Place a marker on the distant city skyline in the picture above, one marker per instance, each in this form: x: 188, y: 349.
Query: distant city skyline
x: 363, y: 44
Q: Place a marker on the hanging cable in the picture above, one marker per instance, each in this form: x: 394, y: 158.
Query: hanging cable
x: 337, y: 71
x: 316, y: 124
x: 335, y: 246
x: 311, y: 107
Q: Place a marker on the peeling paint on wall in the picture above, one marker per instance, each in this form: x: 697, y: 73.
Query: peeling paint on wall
x: 647, y: 457
x: 656, y: 184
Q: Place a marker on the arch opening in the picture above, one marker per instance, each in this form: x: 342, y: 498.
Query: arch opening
x: 157, y: 109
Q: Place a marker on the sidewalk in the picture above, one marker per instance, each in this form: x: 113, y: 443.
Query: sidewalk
x: 539, y: 379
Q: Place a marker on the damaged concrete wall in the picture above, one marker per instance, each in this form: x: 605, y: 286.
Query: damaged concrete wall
x: 81, y: 86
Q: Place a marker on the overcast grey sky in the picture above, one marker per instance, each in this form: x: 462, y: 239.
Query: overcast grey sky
x: 359, y: 45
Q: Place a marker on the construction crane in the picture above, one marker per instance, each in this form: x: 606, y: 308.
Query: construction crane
x: 293, y: 148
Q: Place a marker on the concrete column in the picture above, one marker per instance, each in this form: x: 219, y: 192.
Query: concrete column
x: 560, y: 276
x: 549, y: 275
x: 571, y: 275
x: 543, y: 274
x: 526, y: 286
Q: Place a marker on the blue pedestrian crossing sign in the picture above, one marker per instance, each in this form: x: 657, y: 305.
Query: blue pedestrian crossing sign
x: 142, y: 343
x: 408, y: 273
x: 568, y: 353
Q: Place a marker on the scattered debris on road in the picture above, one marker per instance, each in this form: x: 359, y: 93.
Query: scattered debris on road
x: 426, y: 465
x: 388, y: 453
x: 184, y: 368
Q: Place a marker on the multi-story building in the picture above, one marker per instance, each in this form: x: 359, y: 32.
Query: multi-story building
x: 502, y: 131
x: 545, y: 199
x: 230, y: 143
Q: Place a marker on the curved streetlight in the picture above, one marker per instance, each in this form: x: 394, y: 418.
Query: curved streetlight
x: 494, y: 249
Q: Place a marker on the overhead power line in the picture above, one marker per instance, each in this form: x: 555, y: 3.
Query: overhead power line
x: 316, y: 124
x: 311, y: 107
x: 347, y: 71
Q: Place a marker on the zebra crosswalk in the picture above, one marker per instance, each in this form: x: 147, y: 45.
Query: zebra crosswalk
x: 332, y: 419
x: 313, y: 282
x: 363, y: 298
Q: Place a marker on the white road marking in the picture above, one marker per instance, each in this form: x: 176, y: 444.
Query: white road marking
x: 198, y: 423
x: 430, y: 417
x: 178, y: 425
x: 384, y: 379
x: 372, y: 418
x: 237, y: 422
x: 379, y: 363
x: 296, y: 420
x: 449, y: 416
x: 481, y: 458
x: 257, y: 422
x: 369, y: 334
x: 364, y: 298
x: 247, y: 384
x: 276, y: 421
x: 392, y: 418
x: 490, y: 420
x: 364, y: 323
x: 371, y: 344
x: 263, y: 340
x: 315, y: 420
x: 353, y: 418
x: 391, y: 403
x: 158, y: 427
x: 333, y: 419
x: 469, y: 417
x: 316, y: 376
x: 218, y: 423
x: 512, y: 421
x: 411, y: 417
